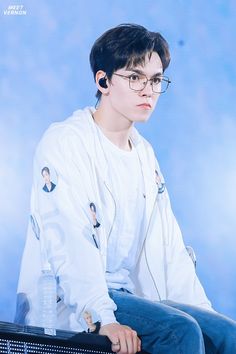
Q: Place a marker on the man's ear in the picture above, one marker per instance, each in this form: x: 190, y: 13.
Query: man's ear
x: 102, y: 82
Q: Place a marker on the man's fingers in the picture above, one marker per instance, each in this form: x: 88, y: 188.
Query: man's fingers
x: 115, y: 343
x: 124, y: 339
x: 115, y: 347
x: 139, y: 345
x: 136, y: 342
x: 123, y: 344
x: 131, y: 342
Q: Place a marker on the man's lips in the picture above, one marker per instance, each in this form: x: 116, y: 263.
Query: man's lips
x: 145, y: 105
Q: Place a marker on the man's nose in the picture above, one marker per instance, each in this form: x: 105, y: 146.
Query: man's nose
x: 147, y: 90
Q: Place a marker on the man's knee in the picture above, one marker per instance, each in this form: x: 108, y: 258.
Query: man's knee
x: 181, y: 335
x: 186, y: 328
x: 228, y: 334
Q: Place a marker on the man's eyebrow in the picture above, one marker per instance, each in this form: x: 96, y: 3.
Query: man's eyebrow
x: 140, y: 72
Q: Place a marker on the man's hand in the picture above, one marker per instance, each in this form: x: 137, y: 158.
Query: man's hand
x: 124, y: 339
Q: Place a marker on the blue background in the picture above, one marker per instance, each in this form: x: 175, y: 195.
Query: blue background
x: 45, y: 75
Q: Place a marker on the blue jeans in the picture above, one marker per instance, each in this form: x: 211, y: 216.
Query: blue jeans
x: 167, y: 327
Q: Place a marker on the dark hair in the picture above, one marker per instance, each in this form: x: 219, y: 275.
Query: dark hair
x: 124, y: 46
x: 46, y: 169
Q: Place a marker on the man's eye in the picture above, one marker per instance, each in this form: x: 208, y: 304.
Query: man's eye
x: 156, y: 80
x: 134, y: 77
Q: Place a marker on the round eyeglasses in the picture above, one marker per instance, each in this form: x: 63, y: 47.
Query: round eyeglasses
x: 137, y: 82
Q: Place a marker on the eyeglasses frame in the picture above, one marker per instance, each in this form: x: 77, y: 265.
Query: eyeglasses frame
x: 164, y: 78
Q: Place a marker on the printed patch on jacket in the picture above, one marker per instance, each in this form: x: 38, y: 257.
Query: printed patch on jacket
x: 49, y: 179
x: 35, y: 226
x: 160, y: 184
x: 91, y: 321
x: 93, y: 212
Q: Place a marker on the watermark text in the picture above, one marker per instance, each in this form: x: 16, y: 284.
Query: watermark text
x: 15, y: 10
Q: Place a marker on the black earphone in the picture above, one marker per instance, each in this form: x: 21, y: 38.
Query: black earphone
x: 102, y: 82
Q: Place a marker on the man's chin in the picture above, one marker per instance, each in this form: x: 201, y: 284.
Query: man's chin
x: 142, y: 119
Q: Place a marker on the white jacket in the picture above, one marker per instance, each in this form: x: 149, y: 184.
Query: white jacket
x: 61, y: 231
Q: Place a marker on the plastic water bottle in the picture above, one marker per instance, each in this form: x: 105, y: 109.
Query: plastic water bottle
x: 47, y: 302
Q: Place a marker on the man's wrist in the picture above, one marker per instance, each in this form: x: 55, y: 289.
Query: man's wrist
x: 107, y: 317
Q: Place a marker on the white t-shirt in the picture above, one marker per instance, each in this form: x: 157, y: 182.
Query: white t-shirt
x: 126, y: 239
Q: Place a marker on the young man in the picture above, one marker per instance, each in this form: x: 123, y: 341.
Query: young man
x: 130, y: 268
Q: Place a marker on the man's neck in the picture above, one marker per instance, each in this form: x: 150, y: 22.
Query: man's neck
x: 114, y: 126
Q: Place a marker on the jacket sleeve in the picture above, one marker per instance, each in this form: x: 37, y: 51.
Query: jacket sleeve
x: 66, y: 228
x: 183, y: 284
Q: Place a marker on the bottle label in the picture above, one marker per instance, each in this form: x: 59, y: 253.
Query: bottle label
x: 50, y: 331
